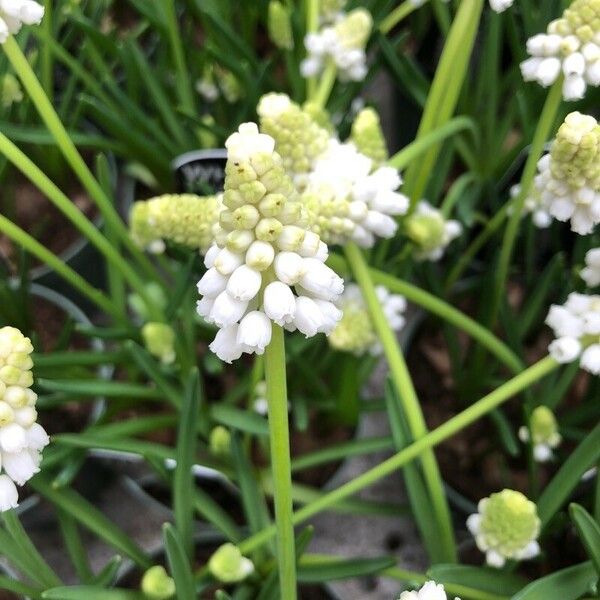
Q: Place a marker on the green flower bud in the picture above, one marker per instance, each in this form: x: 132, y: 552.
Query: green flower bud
x: 368, y: 136
x: 279, y: 25
x: 354, y: 31
x: 246, y: 217
x: 11, y: 92
x: 575, y: 153
x: 220, y: 441
x: 157, y: 585
x: 331, y: 8
x: 138, y: 304
x: 544, y: 427
x: 506, y: 527
x: 183, y: 219
x: 299, y: 140
x: 581, y: 18
x: 425, y: 230
x: 354, y: 332
x: 228, y: 565
x: 268, y: 229
x: 159, y: 339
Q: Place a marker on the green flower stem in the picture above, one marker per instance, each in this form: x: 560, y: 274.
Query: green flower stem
x: 326, y: 84
x: 56, y: 196
x: 451, y: 427
x: 312, y: 24
x: 542, y: 133
x: 25, y: 241
x: 184, y: 88
x: 46, y: 52
x: 409, y: 153
x: 404, y: 385
x: 445, y: 90
x: 275, y: 376
x: 443, y: 310
x: 400, y: 12
x: 51, y: 119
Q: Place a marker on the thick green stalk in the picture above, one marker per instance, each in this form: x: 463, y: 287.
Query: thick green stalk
x: 410, y: 402
x: 400, y: 12
x: 542, y: 133
x: 275, y: 376
x: 451, y: 427
x: 326, y: 83
x: 445, y: 90
x: 25, y: 241
x: 312, y: 24
x: 56, y: 196
x: 51, y: 119
x: 184, y: 88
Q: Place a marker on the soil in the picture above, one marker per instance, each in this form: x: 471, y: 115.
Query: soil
x: 26, y: 206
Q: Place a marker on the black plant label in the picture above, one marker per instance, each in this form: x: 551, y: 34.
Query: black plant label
x: 200, y: 172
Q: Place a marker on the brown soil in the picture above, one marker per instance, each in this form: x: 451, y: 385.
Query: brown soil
x: 26, y: 206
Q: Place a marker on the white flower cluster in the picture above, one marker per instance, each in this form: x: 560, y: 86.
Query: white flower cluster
x: 342, y: 42
x: 544, y: 433
x: 348, y: 197
x: 16, y: 13
x: 430, y: 591
x: 355, y: 333
x: 576, y: 325
x: 591, y: 272
x: 506, y: 527
x: 568, y: 181
x: 21, y: 437
x: 570, y: 47
x: 348, y: 200
x: 263, y: 252
x: 431, y: 232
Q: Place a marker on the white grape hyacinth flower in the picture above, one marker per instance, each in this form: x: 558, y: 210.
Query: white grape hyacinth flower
x: 348, y: 200
x: 576, y: 325
x: 571, y: 47
x: 265, y: 266
x: 506, y: 527
x: 16, y: 13
x: 22, y: 439
x: 430, y: 591
x: 533, y: 206
x: 343, y: 43
x: 568, y: 179
x: 591, y: 272
x: 355, y: 332
x: 430, y: 231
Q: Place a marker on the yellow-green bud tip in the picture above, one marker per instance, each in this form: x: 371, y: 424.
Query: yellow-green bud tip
x: 228, y: 565
x: 157, y: 585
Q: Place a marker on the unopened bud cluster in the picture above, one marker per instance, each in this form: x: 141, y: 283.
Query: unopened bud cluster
x: 367, y: 136
x: 568, y: 179
x: 591, y: 272
x: 355, y: 332
x: 506, y: 527
x: 343, y: 43
x: 430, y: 231
x: 576, y: 325
x: 16, y: 13
x: 157, y: 585
x: 347, y: 196
x: 279, y: 24
x: 265, y: 266
x: 184, y: 219
x: 571, y: 47
x: 21, y: 437
x: 159, y: 339
x: 543, y: 433
x: 228, y: 565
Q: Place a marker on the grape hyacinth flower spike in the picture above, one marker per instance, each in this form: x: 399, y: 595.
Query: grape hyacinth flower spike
x: 265, y: 266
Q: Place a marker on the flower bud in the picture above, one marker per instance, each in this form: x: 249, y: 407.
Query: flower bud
x: 157, y: 585
x: 279, y: 25
x: 228, y: 565
x: 219, y: 441
x: 159, y: 339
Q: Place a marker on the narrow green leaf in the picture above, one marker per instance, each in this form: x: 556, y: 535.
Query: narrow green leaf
x: 178, y: 564
x: 589, y: 532
x: 320, y: 569
x: 567, y: 584
x: 15, y: 586
x: 479, y: 578
x: 90, y: 517
x: 569, y: 476
x: 183, y: 478
x: 108, y: 573
x: 239, y: 419
x: 90, y: 592
x: 94, y: 387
